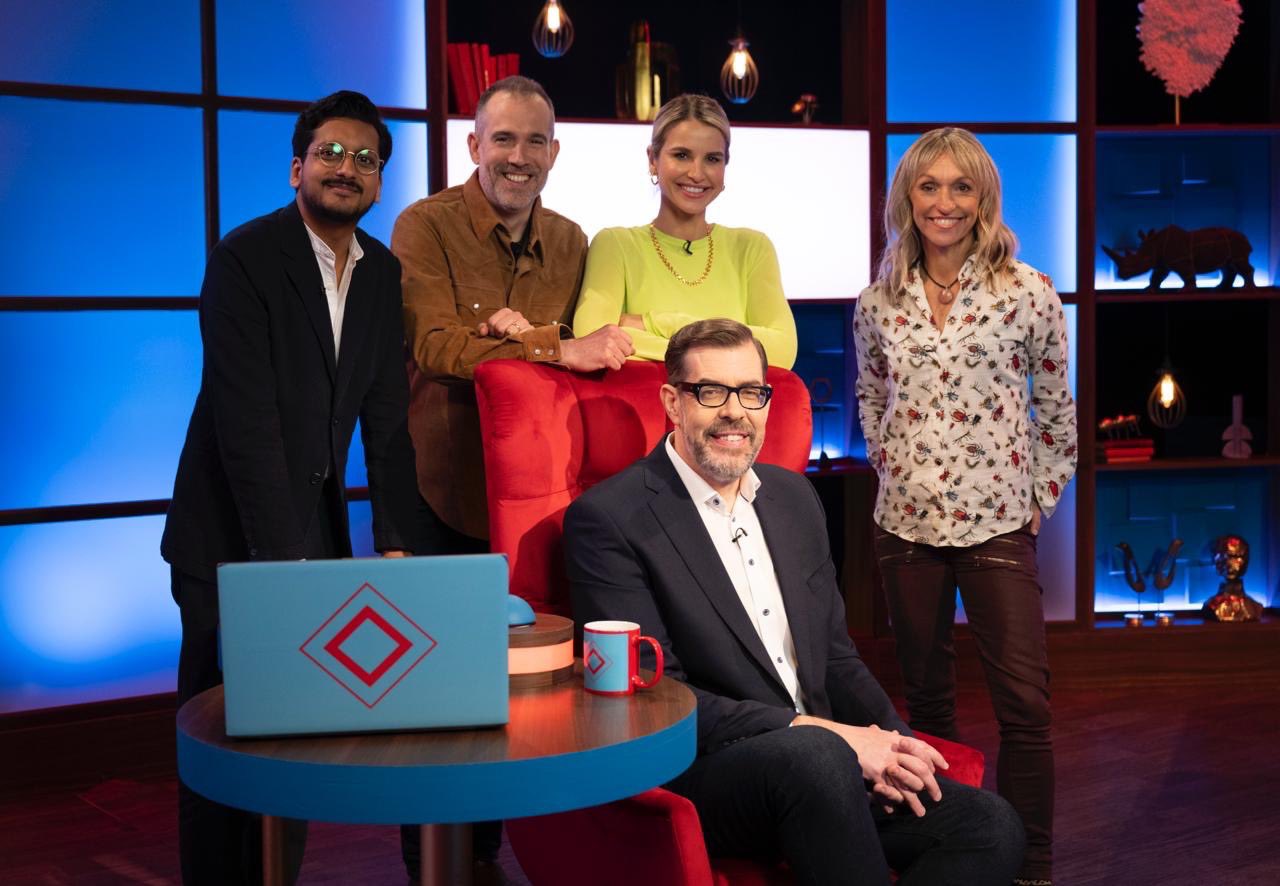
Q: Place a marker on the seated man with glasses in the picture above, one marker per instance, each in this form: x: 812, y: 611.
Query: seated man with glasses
x: 300, y: 318
x: 801, y: 755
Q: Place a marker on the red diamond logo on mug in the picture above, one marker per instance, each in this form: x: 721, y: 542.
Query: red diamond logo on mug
x: 594, y: 661
x: 368, y: 645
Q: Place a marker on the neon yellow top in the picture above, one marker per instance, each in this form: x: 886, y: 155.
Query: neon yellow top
x: 625, y: 275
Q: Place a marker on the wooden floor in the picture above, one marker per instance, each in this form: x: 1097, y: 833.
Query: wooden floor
x: 1163, y: 786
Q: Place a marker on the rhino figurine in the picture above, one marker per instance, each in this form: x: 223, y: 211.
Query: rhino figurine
x: 1186, y: 253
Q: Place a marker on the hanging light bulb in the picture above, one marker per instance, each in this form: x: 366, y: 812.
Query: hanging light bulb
x: 739, y: 77
x: 1167, y: 405
x: 552, y: 32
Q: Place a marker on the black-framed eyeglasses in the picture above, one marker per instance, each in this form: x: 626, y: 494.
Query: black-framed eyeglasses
x: 331, y: 154
x: 713, y: 395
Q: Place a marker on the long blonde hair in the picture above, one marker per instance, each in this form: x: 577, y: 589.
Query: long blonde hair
x: 994, y: 244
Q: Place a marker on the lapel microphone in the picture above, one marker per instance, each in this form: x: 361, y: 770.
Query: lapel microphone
x: 737, y: 534
x: 688, y: 247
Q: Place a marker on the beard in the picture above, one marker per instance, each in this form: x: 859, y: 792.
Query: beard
x: 338, y: 214
x: 725, y: 467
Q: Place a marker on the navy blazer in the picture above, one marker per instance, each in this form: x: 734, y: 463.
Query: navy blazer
x: 276, y: 410
x: 637, y: 550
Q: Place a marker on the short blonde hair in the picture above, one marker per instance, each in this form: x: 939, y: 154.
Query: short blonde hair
x: 689, y: 106
x: 994, y: 244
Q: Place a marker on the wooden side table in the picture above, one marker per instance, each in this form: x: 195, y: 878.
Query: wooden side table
x: 562, y: 749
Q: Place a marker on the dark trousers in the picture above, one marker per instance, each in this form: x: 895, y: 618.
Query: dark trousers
x: 1002, y: 600
x: 797, y: 794
x: 218, y: 845
x: 438, y: 538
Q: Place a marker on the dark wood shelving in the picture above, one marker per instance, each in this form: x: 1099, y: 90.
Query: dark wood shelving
x: 1191, y: 129
x: 1193, y: 464
x: 1203, y: 294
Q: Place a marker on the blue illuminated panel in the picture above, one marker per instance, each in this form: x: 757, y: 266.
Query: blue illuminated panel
x: 1148, y: 509
x: 96, y: 625
x: 1190, y: 181
x: 107, y: 419
x: 1010, y: 62
x: 101, y: 624
x: 823, y: 331
x: 141, y: 44
x: 115, y: 205
x: 254, y: 154
x: 297, y: 49
x: 1038, y: 177
x: 360, y: 513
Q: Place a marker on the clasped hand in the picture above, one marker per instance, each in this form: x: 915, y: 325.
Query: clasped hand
x: 899, y: 768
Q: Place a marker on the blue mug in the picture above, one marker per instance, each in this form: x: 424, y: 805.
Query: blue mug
x: 611, y: 658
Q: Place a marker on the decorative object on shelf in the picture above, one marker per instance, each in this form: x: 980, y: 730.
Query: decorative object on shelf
x: 647, y: 77
x: 1132, y: 573
x: 1237, y: 435
x: 739, y: 77
x: 552, y: 31
x: 1231, y: 603
x: 1132, y: 577
x: 1185, y: 41
x: 1167, y: 567
x: 804, y: 107
x: 820, y: 395
x: 1121, y: 441
x: 1164, y: 619
x: 1186, y: 253
x: 473, y: 69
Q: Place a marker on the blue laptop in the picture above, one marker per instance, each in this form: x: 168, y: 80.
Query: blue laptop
x: 381, y: 644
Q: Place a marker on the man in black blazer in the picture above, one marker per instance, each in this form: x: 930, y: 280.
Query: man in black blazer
x: 300, y: 316
x: 801, y: 755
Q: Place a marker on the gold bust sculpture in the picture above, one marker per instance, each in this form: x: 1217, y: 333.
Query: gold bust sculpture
x: 1231, y: 603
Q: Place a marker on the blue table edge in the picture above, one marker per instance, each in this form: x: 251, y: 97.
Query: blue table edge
x: 436, y: 793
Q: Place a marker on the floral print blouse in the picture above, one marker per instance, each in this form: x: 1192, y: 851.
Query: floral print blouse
x: 958, y: 441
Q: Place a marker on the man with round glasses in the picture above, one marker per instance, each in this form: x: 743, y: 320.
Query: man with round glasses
x: 300, y: 317
x: 801, y: 756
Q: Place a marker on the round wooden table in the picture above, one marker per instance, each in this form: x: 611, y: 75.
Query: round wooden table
x: 562, y: 749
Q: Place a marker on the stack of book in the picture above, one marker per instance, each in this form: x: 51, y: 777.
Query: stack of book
x: 473, y: 69
x: 1128, y: 450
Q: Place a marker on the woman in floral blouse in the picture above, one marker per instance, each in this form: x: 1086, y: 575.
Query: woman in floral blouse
x: 970, y: 424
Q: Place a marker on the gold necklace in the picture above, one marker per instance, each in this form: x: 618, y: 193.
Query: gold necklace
x: 946, y: 294
x: 711, y: 254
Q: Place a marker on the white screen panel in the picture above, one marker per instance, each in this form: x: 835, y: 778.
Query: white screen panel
x: 807, y: 189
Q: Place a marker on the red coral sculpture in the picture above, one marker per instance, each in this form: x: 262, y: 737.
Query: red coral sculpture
x: 1185, y: 41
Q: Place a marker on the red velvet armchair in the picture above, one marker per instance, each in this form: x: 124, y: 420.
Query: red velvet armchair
x: 548, y: 435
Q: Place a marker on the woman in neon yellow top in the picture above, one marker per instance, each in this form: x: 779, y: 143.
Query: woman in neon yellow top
x: 653, y: 279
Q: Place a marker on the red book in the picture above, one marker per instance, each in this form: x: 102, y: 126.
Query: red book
x: 467, y: 66
x: 477, y: 67
x: 1125, y: 459
x: 1126, y: 443
x: 490, y: 66
x: 456, y: 88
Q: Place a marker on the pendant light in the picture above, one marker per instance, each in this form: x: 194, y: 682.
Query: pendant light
x: 1166, y: 404
x: 739, y: 77
x: 552, y: 32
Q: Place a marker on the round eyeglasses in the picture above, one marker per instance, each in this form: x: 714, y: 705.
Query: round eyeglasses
x: 714, y: 395
x: 331, y: 154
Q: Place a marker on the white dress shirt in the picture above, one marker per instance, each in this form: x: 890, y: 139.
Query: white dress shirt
x: 335, y: 290
x: 739, y: 541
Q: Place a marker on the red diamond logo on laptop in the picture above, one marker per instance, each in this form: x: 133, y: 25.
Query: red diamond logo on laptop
x: 595, y: 661
x: 368, y: 645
